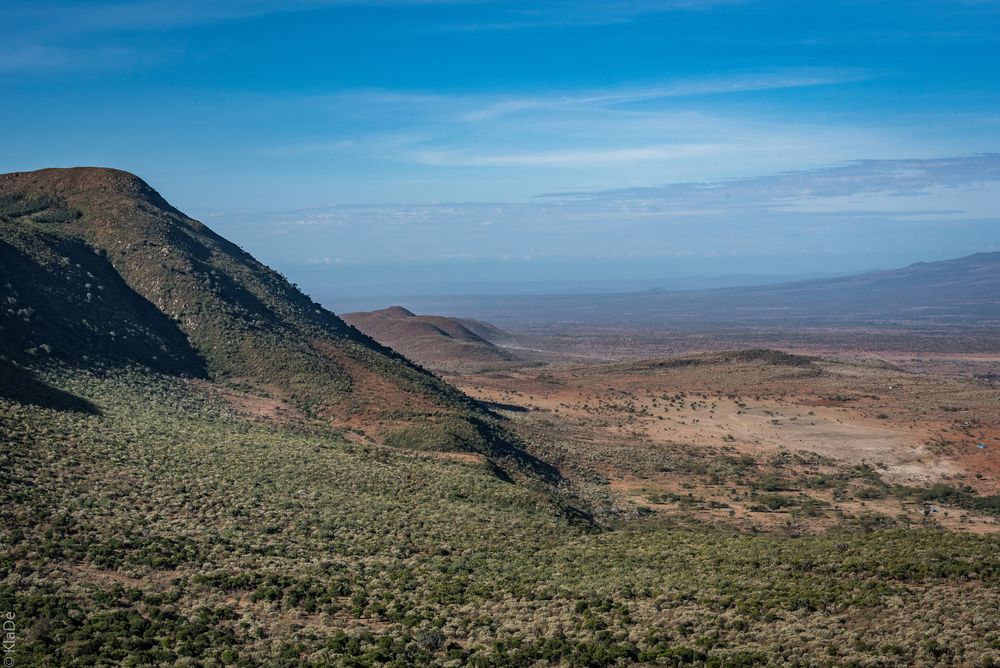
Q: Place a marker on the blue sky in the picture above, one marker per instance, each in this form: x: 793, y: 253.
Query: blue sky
x: 396, y: 144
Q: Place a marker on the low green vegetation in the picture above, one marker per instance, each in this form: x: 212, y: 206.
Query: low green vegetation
x: 145, y: 523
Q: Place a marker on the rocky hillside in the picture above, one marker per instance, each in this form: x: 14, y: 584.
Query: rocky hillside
x: 97, y: 270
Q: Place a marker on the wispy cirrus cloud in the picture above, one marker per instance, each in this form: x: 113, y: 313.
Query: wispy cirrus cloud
x: 69, y: 36
x: 63, y: 17
x: 635, y: 127
x: 18, y: 57
x: 568, y: 158
x: 885, y: 206
x: 899, y: 178
x: 585, y: 13
x: 488, y: 106
x: 715, y: 85
x: 68, y: 17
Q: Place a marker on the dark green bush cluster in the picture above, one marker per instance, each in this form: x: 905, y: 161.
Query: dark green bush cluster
x: 41, y: 208
x: 963, y: 497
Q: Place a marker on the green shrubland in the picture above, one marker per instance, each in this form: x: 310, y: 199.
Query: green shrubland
x: 145, y: 523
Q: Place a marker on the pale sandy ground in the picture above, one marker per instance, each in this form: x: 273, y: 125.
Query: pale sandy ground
x: 630, y: 415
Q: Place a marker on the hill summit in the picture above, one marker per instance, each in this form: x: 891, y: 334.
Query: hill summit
x: 98, y: 270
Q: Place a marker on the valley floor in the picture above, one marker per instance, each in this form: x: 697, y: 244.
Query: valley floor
x: 158, y: 521
x: 762, y: 439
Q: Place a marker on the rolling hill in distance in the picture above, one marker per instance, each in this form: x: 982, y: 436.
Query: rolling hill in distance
x: 437, y: 342
x: 961, y: 290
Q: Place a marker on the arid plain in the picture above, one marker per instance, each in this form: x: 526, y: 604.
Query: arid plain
x: 764, y: 439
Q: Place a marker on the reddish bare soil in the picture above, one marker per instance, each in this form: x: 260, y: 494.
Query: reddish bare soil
x: 707, y: 435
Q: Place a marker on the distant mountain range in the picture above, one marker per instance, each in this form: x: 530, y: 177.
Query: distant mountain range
x: 949, y: 293
x: 353, y: 291
x: 437, y: 342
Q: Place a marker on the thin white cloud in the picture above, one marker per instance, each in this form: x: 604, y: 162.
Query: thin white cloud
x: 580, y: 129
x: 885, y: 208
x: 477, y: 107
x: 710, y: 86
x: 962, y: 188
x: 94, y: 17
x: 19, y: 57
x: 583, y: 13
x: 567, y: 158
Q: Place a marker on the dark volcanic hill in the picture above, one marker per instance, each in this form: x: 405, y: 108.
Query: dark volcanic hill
x: 437, y: 342
x: 97, y: 270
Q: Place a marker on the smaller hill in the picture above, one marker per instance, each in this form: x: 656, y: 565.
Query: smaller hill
x: 437, y: 342
x: 725, y: 361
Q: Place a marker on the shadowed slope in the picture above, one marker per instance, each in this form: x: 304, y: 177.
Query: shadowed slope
x: 98, y: 270
x: 20, y: 385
